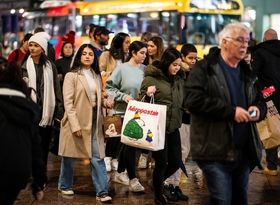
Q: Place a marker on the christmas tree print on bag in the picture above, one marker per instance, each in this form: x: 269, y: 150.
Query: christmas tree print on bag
x: 133, y: 129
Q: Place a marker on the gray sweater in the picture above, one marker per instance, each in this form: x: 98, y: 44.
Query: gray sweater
x: 125, y: 80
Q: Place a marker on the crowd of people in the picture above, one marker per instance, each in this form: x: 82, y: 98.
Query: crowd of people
x: 209, y: 111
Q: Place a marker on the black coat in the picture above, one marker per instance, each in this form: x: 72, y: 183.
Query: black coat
x: 208, y: 100
x: 266, y: 64
x: 20, y: 154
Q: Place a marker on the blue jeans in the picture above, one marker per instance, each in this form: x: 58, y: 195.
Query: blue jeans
x: 227, y: 182
x: 97, y: 167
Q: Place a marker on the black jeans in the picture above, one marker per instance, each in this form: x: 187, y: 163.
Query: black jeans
x: 127, y: 160
x: 113, y: 146
x: 272, y: 158
x: 167, y: 161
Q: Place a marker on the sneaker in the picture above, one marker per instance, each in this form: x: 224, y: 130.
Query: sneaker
x: 169, y: 192
x: 107, y: 161
x: 121, y: 178
x: 271, y: 172
x: 143, y: 161
x: 68, y: 192
x: 180, y: 195
x: 114, y: 164
x: 135, y: 186
x: 104, y: 198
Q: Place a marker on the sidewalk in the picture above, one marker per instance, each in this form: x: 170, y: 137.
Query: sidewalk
x: 263, y: 190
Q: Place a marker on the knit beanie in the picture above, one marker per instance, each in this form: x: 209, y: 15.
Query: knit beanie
x: 42, y: 39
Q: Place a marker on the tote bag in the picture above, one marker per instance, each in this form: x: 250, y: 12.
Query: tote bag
x: 269, y: 128
x: 144, y: 125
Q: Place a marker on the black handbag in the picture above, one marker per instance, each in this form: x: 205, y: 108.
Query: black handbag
x: 54, y: 143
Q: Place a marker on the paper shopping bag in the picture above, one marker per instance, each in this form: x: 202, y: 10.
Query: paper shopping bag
x: 269, y: 128
x: 144, y: 125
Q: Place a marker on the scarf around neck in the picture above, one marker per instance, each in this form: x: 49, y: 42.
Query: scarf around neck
x: 49, y: 95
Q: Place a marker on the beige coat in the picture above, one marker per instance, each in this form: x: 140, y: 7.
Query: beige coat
x: 78, y: 116
x: 107, y: 63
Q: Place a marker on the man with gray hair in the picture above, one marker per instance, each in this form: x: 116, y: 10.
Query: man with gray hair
x: 265, y: 62
x: 224, y: 103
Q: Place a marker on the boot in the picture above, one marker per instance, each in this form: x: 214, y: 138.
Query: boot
x: 160, y: 199
x: 169, y: 192
x: 180, y: 195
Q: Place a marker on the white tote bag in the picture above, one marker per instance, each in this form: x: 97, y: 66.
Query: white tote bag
x: 144, y: 125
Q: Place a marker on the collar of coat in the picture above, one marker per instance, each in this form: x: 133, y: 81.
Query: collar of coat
x: 212, y: 59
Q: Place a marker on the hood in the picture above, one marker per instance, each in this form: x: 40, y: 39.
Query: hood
x: 154, y: 71
x: 272, y: 46
x: 18, y: 110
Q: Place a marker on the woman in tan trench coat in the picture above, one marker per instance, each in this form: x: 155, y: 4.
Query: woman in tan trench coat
x: 81, y: 133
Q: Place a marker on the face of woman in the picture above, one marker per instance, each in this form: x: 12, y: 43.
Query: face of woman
x: 35, y: 49
x: 68, y: 50
x: 140, y: 56
x: 126, y: 44
x: 152, y: 48
x: 87, y: 57
x: 175, y: 66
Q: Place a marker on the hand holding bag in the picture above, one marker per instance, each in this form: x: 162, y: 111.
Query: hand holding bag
x: 144, y: 125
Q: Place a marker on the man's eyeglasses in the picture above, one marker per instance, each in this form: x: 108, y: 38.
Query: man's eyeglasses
x: 240, y: 40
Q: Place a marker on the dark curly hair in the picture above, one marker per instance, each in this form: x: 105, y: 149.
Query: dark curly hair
x: 116, y: 49
x: 168, y: 57
x: 77, y: 59
x: 134, y: 47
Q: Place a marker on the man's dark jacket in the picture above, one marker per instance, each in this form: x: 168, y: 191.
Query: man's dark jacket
x: 208, y: 100
x: 266, y: 64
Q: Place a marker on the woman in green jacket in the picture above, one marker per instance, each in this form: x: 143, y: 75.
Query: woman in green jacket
x: 165, y: 81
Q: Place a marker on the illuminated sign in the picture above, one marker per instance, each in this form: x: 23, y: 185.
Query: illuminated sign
x: 211, y: 4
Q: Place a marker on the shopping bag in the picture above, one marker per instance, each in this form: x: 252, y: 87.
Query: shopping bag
x: 269, y: 128
x: 144, y: 125
x: 112, y: 126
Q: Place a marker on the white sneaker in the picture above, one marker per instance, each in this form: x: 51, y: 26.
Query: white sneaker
x: 135, y: 186
x: 121, y: 178
x: 107, y: 161
x: 114, y: 164
x: 68, y: 192
x: 104, y: 198
x: 143, y: 161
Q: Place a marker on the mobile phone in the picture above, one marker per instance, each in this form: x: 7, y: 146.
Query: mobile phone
x: 253, y: 113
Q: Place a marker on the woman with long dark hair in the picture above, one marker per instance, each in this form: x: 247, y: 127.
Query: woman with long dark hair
x: 81, y: 134
x: 165, y: 81
x: 108, y: 61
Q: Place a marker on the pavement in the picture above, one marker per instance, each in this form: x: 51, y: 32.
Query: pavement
x: 263, y: 190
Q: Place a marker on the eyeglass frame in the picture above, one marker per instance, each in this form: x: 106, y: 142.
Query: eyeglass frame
x: 239, y: 40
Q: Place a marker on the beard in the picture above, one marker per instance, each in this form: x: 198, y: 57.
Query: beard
x: 103, y: 43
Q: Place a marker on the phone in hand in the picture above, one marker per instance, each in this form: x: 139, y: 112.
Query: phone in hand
x: 253, y: 113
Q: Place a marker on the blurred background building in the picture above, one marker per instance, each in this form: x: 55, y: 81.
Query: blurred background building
x: 177, y: 21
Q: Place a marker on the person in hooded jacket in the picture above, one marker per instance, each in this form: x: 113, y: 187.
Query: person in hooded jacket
x: 165, y: 81
x: 20, y: 153
x: 265, y: 62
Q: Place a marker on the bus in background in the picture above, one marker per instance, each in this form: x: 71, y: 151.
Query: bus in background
x: 176, y: 21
